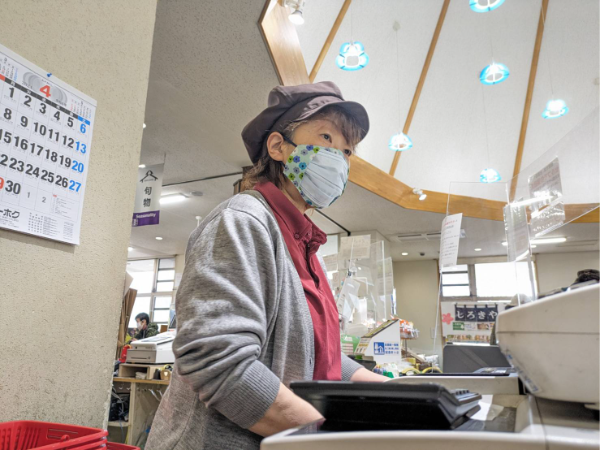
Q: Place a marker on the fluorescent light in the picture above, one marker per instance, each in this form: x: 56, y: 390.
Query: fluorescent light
x: 296, y: 17
x: 556, y: 240
x: 158, y: 238
x: 169, y: 199
x: 129, y: 249
x: 477, y: 249
x: 533, y: 246
x: 493, y: 301
x: 142, y: 166
x: 533, y: 200
x: 144, y: 127
x: 404, y: 254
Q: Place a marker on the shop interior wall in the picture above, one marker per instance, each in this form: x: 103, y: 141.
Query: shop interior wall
x: 557, y: 270
x: 59, y: 303
x: 416, y: 284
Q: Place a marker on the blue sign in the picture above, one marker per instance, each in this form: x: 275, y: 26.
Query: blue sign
x: 378, y: 348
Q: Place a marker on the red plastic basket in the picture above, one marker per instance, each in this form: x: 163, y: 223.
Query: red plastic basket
x: 28, y: 435
x: 117, y: 446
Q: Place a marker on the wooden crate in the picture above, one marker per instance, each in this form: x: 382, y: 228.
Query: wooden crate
x: 128, y: 370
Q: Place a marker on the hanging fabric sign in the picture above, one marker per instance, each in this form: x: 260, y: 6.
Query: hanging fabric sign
x: 147, y: 196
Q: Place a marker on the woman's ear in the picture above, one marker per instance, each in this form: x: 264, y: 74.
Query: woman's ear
x: 275, y: 143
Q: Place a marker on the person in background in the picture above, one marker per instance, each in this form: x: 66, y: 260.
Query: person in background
x: 145, y: 328
x: 254, y: 307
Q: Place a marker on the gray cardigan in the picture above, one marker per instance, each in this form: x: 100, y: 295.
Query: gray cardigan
x: 243, y: 326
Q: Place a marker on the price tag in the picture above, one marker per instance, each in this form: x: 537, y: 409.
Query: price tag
x: 45, y: 143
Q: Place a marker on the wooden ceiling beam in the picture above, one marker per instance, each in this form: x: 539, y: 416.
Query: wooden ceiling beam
x: 528, y: 98
x: 422, y: 78
x: 283, y: 44
x: 329, y: 40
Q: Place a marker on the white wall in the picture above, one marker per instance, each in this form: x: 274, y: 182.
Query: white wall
x: 60, y: 304
x: 557, y: 270
x: 416, y: 284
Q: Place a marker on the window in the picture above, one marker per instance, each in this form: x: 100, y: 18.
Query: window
x: 154, y: 279
x: 485, y: 281
x: 455, y: 282
x: 501, y: 280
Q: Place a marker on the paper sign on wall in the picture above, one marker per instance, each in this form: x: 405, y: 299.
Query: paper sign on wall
x: 450, y: 240
x: 46, y: 131
x: 147, y: 196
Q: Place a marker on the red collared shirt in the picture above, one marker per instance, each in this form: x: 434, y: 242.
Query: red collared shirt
x: 303, y: 238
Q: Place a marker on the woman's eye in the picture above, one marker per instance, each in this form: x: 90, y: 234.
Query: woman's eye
x: 348, y: 152
x: 327, y: 137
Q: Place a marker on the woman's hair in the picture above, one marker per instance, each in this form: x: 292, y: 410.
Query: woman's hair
x: 267, y: 169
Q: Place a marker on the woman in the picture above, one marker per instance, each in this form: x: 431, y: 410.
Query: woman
x: 254, y: 308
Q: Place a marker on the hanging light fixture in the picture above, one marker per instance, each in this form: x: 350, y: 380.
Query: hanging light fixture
x: 489, y: 176
x: 400, y: 142
x: 494, y: 73
x: 554, y: 109
x: 482, y: 6
x: 352, y: 56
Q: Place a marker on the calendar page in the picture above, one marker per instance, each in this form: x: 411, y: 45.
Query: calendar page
x: 45, y: 144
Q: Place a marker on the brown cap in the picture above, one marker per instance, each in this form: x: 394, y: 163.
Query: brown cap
x: 292, y: 104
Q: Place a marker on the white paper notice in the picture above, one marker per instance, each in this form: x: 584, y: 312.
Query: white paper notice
x: 517, y: 231
x: 331, y: 262
x: 46, y: 131
x: 549, y: 213
x: 355, y: 247
x: 450, y: 240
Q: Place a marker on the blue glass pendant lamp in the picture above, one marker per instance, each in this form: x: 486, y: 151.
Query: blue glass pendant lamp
x: 400, y: 142
x: 352, y: 56
x: 489, y: 176
x: 483, y: 6
x: 494, y: 73
x: 554, y: 109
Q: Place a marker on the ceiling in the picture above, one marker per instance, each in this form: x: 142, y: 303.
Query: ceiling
x: 211, y: 72
x: 449, y: 126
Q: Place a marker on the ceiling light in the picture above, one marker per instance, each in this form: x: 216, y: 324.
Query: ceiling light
x: 404, y: 254
x: 174, y: 198
x: 129, y: 249
x: 142, y: 166
x: 477, y: 249
x: 400, y: 142
x: 482, y: 6
x: 531, y: 201
x: 555, y: 109
x: 297, y: 7
x: 144, y: 127
x: 352, y: 56
x: 494, y: 73
x: 296, y: 17
x: 489, y: 176
x: 556, y: 240
x: 420, y: 193
x: 158, y: 238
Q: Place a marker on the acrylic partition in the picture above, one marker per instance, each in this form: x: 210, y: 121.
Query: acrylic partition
x: 363, y: 283
x: 560, y: 186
